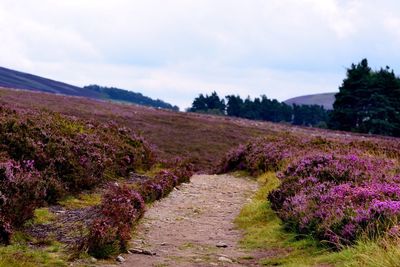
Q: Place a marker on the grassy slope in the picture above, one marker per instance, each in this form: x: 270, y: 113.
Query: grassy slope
x: 264, y: 233
x: 23, y: 253
x: 207, y: 139
x: 204, y: 138
x: 17, y: 79
x: 175, y: 134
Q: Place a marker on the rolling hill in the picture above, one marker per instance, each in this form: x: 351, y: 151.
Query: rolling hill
x: 326, y: 100
x: 21, y: 80
x: 81, y: 144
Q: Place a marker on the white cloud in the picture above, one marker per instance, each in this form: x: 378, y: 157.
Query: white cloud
x: 342, y: 17
x: 175, y: 49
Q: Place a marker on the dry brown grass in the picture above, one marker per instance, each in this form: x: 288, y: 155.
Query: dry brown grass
x: 204, y: 139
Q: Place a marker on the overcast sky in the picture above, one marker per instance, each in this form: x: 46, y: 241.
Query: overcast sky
x: 176, y: 49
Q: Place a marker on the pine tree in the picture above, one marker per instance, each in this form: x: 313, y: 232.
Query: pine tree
x: 368, y: 101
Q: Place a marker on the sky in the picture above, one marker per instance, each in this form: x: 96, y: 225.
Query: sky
x: 176, y: 49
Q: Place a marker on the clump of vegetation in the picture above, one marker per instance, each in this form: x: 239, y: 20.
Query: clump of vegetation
x: 257, y: 157
x: 264, y: 230
x: 43, y: 216
x: 120, y: 208
x: 338, y: 191
x: 21, y: 191
x: 44, y: 156
x: 158, y: 187
x: 81, y: 201
x: 338, y: 198
x: 368, y: 101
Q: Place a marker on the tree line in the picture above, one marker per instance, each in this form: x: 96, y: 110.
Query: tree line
x: 261, y: 108
x: 368, y: 102
x: 116, y: 94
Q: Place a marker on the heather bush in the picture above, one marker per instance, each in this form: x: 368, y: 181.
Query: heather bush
x: 157, y: 187
x: 338, y: 198
x: 271, y: 153
x: 161, y: 184
x: 234, y: 160
x: 150, y: 190
x: 121, y: 204
x: 44, y: 156
x: 80, y: 154
x: 21, y: 191
x: 183, y: 170
x: 5, y: 231
x: 337, y: 189
x: 102, y: 239
x: 274, y: 153
x: 258, y: 156
x: 266, y: 156
x: 121, y: 207
x: 167, y: 180
x: 126, y: 152
x: 329, y: 169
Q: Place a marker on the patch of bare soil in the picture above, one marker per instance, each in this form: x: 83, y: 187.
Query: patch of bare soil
x: 194, y: 225
x: 67, y: 227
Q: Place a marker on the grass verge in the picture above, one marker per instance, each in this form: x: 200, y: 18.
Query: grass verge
x: 43, y: 216
x: 81, y: 201
x: 264, y: 233
x: 21, y: 254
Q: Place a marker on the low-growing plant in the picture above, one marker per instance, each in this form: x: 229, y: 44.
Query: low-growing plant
x: 45, y: 156
x: 121, y: 207
x: 335, y: 189
x: 43, y: 216
x: 162, y: 182
x: 5, y: 231
x: 338, y: 198
x: 102, y: 239
x: 21, y: 191
x: 80, y: 201
x: 183, y: 170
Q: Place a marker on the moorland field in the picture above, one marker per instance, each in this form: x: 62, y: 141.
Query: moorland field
x: 76, y: 175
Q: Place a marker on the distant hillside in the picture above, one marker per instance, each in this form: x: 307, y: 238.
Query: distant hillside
x: 117, y: 94
x: 326, y: 100
x: 21, y: 80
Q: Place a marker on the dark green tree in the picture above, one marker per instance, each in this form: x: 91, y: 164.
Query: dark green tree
x: 234, y: 106
x: 250, y: 109
x: 208, y: 104
x: 309, y: 115
x: 368, y: 101
x: 199, y: 104
x: 354, y: 88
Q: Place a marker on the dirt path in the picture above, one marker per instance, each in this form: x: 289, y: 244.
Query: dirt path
x: 185, y: 228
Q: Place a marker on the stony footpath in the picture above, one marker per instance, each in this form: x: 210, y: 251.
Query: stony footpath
x: 194, y: 225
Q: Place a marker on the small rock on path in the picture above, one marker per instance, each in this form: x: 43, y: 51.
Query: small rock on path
x: 188, y: 227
